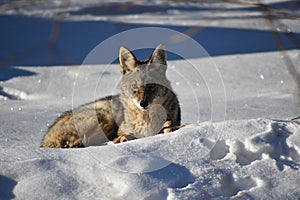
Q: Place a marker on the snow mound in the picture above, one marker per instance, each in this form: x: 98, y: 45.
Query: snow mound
x: 238, y: 158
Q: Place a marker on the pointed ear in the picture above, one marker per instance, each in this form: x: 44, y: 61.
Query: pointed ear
x: 159, y: 55
x: 127, y: 60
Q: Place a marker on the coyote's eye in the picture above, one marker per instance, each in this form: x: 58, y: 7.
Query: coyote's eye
x: 134, y: 86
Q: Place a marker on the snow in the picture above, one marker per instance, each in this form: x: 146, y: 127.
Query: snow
x: 238, y: 140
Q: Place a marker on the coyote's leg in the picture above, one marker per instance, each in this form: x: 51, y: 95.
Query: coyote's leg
x: 167, y: 127
x: 123, y: 137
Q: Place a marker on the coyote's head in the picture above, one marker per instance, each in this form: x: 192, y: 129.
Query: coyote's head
x: 144, y: 82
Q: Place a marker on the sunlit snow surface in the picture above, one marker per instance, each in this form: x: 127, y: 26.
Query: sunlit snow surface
x: 249, y: 150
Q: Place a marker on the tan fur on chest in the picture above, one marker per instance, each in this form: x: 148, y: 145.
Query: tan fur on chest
x: 138, y: 116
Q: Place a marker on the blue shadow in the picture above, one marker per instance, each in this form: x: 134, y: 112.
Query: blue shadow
x: 7, y: 185
x: 26, y: 41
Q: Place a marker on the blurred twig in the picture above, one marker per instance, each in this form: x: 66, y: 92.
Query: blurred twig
x: 22, y: 54
x: 271, y: 16
x: 194, y: 30
x: 280, y: 45
x: 50, y: 45
x: 18, y: 4
x: 55, y: 33
x: 271, y: 12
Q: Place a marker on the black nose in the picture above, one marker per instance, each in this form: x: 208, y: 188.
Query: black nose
x: 144, y: 103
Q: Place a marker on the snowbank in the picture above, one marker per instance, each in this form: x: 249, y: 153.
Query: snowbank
x: 255, y: 158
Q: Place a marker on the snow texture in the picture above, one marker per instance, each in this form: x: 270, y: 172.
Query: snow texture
x: 238, y: 141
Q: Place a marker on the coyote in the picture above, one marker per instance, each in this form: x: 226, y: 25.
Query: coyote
x: 146, y: 106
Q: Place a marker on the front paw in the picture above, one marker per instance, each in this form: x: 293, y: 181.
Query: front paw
x: 126, y: 138
x: 167, y: 127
